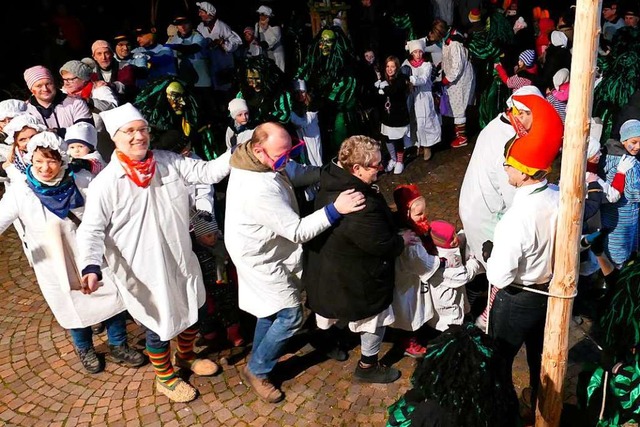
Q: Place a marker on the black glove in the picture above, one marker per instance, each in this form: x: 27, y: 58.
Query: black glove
x: 205, y: 216
x: 487, y: 248
x: 264, y: 45
x: 77, y: 165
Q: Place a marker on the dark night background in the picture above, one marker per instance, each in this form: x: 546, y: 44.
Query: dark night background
x: 30, y: 29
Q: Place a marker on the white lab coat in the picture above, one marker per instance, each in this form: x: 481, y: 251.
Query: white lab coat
x: 485, y: 194
x: 428, y: 128
x: 264, y: 236
x: 72, y: 309
x: 272, y: 35
x: 144, y: 235
x: 412, y: 304
x: 221, y: 58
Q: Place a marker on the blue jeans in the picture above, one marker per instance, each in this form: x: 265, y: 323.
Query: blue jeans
x: 116, y: 333
x: 270, y: 336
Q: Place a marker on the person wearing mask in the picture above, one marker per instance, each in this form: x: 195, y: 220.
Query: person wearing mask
x: 520, y: 255
x: 264, y: 237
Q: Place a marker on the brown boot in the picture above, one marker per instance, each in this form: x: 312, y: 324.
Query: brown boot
x: 262, y: 386
x: 426, y: 154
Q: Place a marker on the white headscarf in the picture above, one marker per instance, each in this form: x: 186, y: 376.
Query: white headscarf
x: 20, y: 122
x: 47, y: 140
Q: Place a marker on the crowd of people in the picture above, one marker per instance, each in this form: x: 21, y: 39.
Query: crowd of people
x: 110, y: 165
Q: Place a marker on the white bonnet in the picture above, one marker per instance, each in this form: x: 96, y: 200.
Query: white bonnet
x: 19, y: 122
x: 10, y: 108
x: 47, y: 139
x: 416, y: 44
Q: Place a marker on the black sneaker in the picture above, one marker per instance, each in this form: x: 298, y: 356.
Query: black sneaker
x: 90, y: 360
x: 126, y: 356
x: 377, y: 373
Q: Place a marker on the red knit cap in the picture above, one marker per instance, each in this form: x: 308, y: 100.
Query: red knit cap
x: 536, y: 150
x: 443, y: 234
x: 404, y: 196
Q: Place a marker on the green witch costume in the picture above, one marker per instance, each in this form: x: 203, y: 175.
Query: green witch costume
x: 262, y: 86
x: 329, y: 73
x: 167, y: 105
x: 620, y: 77
x: 462, y: 381
x: 613, y: 391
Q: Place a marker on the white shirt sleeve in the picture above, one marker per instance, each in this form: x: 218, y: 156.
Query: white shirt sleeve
x: 502, y: 266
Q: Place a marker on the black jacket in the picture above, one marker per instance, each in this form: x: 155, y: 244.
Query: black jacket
x: 349, y: 269
x: 396, y: 93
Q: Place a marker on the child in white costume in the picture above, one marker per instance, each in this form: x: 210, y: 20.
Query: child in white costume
x: 421, y: 105
x: 447, y: 285
x: 412, y: 303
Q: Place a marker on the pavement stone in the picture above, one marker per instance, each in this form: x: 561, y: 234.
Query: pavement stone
x: 43, y: 382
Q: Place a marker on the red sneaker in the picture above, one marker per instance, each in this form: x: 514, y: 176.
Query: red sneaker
x: 460, y: 141
x: 414, y: 349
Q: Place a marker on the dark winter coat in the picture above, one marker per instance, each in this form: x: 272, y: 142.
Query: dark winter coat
x: 349, y: 269
x: 396, y: 93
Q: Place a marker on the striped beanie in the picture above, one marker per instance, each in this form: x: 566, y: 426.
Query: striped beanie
x: 527, y: 57
x: 202, y: 226
x: 33, y: 74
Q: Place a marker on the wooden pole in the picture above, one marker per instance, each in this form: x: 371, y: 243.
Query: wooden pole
x: 572, y: 195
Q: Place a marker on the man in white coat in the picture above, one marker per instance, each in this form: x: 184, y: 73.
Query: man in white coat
x: 264, y: 237
x: 222, y: 42
x: 137, y: 218
x: 270, y: 36
x: 485, y: 194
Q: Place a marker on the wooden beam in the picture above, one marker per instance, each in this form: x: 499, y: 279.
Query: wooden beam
x: 572, y: 196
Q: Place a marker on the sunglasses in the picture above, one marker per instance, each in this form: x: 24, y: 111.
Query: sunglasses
x: 282, y: 160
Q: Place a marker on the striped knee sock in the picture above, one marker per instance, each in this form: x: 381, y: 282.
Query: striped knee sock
x: 186, y: 341
x: 161, y: 361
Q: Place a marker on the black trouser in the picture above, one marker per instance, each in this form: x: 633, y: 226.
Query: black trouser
x: 518, y: 317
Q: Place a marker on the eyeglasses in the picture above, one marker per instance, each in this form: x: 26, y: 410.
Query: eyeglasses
x: 69, y: 80
x: 132, y: 132
x: 282, y: 160
x: 378, y: 167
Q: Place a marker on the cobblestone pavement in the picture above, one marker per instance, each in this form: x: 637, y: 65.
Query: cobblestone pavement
x: 43, y: 382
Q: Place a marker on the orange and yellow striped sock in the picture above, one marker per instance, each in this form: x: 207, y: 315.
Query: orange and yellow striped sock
x: 161, y: 361
x: 186, y: 341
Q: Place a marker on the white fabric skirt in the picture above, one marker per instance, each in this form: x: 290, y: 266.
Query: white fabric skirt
x: 370, y: 324
x: 394, y: 132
